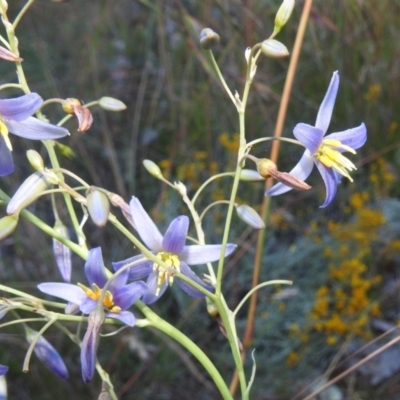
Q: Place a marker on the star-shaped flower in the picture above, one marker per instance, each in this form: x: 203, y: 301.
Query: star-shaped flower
x: 171, y: 249
x: 118, y: 298
x: 15, y: 117
x: 325, y: 153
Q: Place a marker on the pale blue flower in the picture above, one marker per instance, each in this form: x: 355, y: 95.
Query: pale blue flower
x: 172, y: 250
x: 325, y: 153
x: 15, y: 117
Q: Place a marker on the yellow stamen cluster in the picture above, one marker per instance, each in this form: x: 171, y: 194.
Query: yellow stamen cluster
x: 95, y: 293
x: 165, y: 274
x: 329, y: 155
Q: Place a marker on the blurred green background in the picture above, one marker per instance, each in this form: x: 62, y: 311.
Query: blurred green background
x: 344, y: 259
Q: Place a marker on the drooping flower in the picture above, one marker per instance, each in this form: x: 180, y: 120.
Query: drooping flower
x: 172, y: 250
x: 118, y: 298
x: 325, y: 152
x: 47, y: 354
x: 15, y: 117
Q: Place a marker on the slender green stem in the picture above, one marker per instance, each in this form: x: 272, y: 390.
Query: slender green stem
x: 200, y: 189
x: 181, y: 338
x: 11, y: 85
x: 272, y: 138
x: 255, y: 288
x: 221, y: 78
x: 22, y: 13
x: 212, y: 205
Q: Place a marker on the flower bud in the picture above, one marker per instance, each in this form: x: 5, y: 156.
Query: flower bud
x: 208, y: 38
x: 47, y: 354
x: 250, y: 216
x: 3, y: 7
x: 283, y: 15
x: 28, y: 192
x: 118, y: 201
x: 8, y: 225
x: 250, y: 175
x: 290, y: 180
x: 153, y: 169
x: 62, y: 253
x: 6, y: 54
x: 35, y: 159
x: 265, y: 166
x: 98, y: 206
x: 90, y: 343
x: 69, y: 105
x: 111, y: 104
x: 273, y: 48
x: 83, y: 114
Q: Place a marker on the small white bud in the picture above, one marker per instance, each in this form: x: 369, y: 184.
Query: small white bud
x: 273, y: 48
x: 250, y: 216
x: 111, y: 104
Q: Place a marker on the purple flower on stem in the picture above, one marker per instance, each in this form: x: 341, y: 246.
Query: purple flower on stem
x: 118, y: 298
x: 325, y: 153
x: 15, y: 117
x: 172, y: 250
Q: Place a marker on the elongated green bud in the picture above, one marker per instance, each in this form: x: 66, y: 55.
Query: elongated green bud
x: 35, y: 159
x: 98, y: 206
x: 250, y: 175
x: 3, y: 7
x: 273, y: 48
x: 250, y: 216
x: 283, y: 15
x: 208, y: 39
x: 62, y: 253
x: 8, y: 225
x: 111, y: 104
x: 153, y: 169
x: 28, y: 192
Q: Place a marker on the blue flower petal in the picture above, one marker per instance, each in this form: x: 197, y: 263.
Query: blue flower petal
x: 330, y: 180
x: 175, y: 237
x: 20, y: 108
x: 3, y: 369
x: 66, y: 291
x: 32, y: 128
x: 150, y: 296
x: 325, y: 110
x: 119, y: 281
x: 309, y: 136
x: 354, y: 137
x: 138, y: 271
x: 145, y: 227
x: 6, y: 160
x: 191, y: 291
x: 124, y: 316
x: 94, y: 268
x: 88, y: 305
x: 202, y: 254
x: 301, y: 171
x: 127, y: 295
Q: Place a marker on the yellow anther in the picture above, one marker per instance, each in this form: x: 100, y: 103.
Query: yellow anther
x: 172, y: 260
x: 329, y: 155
